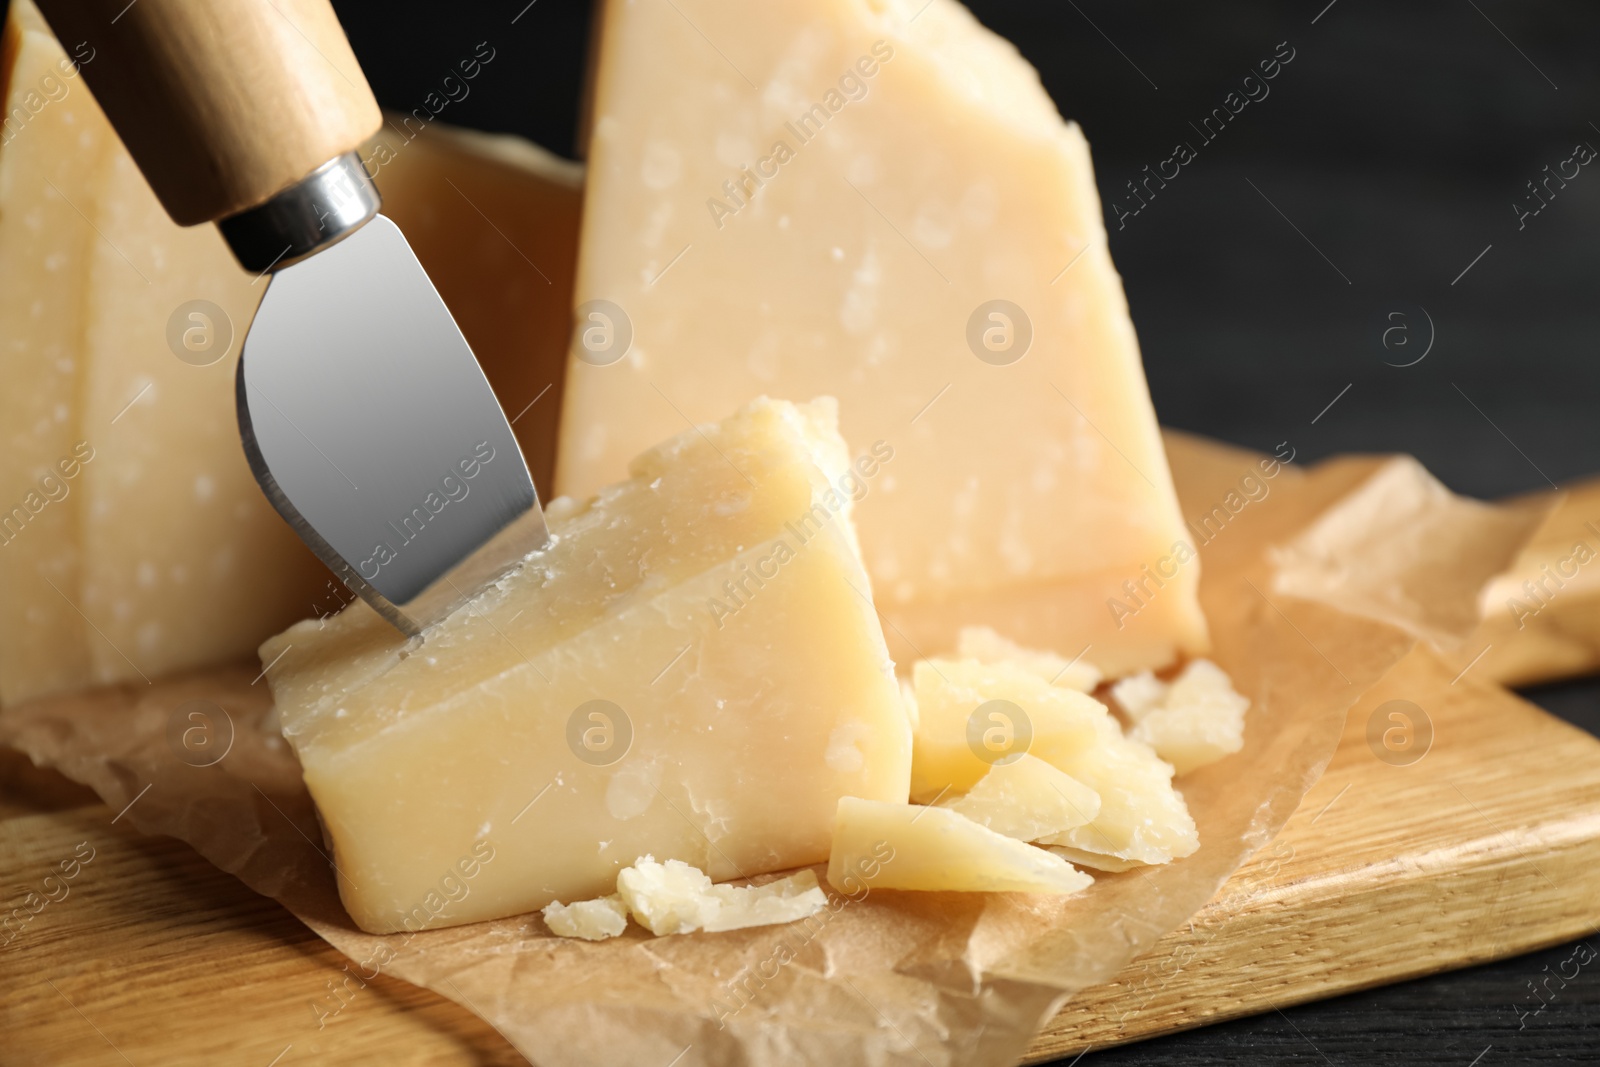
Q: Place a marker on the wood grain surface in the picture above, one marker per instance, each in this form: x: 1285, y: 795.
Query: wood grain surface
x: 1487, y: 846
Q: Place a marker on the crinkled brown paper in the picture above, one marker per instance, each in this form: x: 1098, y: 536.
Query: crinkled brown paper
x: 1315, y: 583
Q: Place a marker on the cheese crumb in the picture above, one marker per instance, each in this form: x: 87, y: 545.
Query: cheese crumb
x: 1195, y: 721
x: 592, y: 920
x: 675, y: 898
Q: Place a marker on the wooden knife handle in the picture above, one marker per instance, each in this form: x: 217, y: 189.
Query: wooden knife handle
x: 222, y: 103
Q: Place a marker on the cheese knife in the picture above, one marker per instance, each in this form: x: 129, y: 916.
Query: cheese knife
x: 363, y: 413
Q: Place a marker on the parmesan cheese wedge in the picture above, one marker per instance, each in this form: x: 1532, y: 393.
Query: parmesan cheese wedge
x: 1028, y: 800
x: 693, y: 669
x: 972, y: 716
x: 878, y: 201
x: 933, y: 848
x: 134, y: 540
x: 51, y: 135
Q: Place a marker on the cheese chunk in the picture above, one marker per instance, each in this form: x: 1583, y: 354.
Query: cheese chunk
x: 693, y: 669
x: 932, y: 848
x: 1027, y: 800
x: 1142, y: 818
x: 675, y: 898
x: 590, y: 920
x: 878, y: 201
x: 158, y: 551
x: 972, y: 716
x: 982, y: 643
x: 1195, y: 721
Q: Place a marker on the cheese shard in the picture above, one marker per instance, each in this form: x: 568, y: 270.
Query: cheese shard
x: 589, y: 920
x: 1028, y: 799
x: 932, y: 848
x: 675, y: 898
x: 53, y: 144
x: 982, y: 643
x: 971, y: 716
x: 693, y: 670
x: 1196, y: 720
x: 1142, y: 818
x: 878, y: 201
x: 1096, y: 860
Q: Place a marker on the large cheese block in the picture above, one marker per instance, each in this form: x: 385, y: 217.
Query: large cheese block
x: 876, y: 199
x: 134, y: 540
x: 52, y: 144
x: 183, y: 560
x: 693, y: 670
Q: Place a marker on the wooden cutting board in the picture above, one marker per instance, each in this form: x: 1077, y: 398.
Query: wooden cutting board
x: 1487, y: 846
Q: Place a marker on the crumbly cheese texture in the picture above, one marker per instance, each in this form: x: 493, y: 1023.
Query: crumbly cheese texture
x: 1142, y: 819
x: 675, y: 898
x: 693, y: 669
x: 906, y: 846
x: 1028, y: 799
x: 984, y: 729
x: 589, y: 920
x: 158, y: 552
x: 1196, y: 720
x: 984, y: 644
x: 829, y: 201
x: 971, y: 715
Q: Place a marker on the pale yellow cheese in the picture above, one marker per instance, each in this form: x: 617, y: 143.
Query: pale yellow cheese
x: 982, y: 643
x: 1142, y: 818
x: 675, y: 898
x: 825, y: 196
x: 1196, y: 720
x: 53, y: 145
x: 906, y: 846
x: 184, y: 560
x: 717, y: 605
x: 971, y: 716
x: 158, y: 552
x: 590, y: 920
x: 1027, y: 799
x: 1097, y: 860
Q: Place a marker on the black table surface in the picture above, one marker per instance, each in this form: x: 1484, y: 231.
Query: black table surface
x: 1372, y: 204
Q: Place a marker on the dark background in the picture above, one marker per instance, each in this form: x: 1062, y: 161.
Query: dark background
x: 1387, y: 157
x: 1395, y: 142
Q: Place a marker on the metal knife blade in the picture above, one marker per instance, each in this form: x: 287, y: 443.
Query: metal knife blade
x: 373, y: 431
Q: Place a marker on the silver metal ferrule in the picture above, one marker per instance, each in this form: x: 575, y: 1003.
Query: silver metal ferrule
x: 322, y: 208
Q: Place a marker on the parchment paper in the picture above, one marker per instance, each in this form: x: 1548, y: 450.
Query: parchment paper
x: 1311, y: 595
